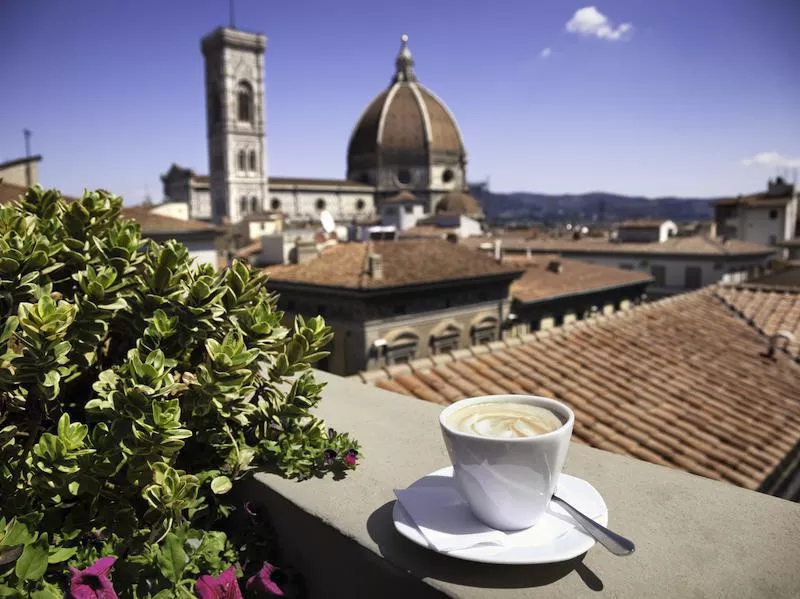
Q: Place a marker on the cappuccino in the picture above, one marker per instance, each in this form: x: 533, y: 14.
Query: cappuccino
x: 503, y: 420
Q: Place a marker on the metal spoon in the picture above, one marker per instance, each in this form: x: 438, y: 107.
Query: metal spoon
x: 616, y: 544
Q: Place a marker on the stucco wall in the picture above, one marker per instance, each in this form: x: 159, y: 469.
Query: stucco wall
x: 302, y: 202
x: 18, y: 174
x: 712, y: 268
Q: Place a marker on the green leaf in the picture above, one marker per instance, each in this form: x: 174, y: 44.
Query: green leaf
x: 32, y: 564
x: 17, y: 535
x: 221, y: 485
x: 61, y: 554
x: 172, y: 558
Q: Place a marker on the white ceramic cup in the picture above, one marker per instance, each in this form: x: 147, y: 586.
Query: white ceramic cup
x: 508, y: 482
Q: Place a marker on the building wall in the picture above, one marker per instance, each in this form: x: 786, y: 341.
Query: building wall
x: 172, y: 209
x: 302, y: 202
x: 359, y: 323
x: 202, y: 251
x: 200, y: 203
x: 766, y: 225
x: 24, y: 174
x: 713, y: 269
x: 548, y: 314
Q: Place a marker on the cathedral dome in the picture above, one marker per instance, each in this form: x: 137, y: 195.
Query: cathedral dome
x: 405, y: 124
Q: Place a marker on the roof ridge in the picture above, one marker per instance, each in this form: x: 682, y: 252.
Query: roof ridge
x: 751, y: 323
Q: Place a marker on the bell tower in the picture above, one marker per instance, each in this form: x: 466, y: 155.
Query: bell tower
x: 235, y: 115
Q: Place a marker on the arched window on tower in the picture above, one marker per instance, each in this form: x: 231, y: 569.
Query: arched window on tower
x: 242, y: 161
x: 254, y: 204
x: 244, y: 101
x: 252, y: 161
x: 243, y: 205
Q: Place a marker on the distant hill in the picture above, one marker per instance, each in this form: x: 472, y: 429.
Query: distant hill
x: 588, y: 207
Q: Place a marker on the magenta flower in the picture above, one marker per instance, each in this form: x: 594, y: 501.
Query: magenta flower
x: 93, y: 582
x: 265, y: 581
x: 223, y: 586
x: 351, y: 458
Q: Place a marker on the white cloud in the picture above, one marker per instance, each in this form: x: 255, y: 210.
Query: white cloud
x: 772, y: 159
x: 545, y: 54
x: 589, y: 21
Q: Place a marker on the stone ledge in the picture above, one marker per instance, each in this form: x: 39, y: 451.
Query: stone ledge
x: 695, y: 537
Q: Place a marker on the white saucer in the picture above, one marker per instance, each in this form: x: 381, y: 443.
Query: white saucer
x: 561, y: 548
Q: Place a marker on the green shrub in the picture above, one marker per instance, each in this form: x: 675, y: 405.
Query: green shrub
x: 136, y: 386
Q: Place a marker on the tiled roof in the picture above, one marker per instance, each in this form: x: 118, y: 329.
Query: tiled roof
x: 681, y: 382
x: 405, y: 262
x: 771, y: 309
x: 788, y: 277
x: 426, y: 232
x: 575, y: 277
x: 157, y: 224
x: 403, y: 196
x: 696, y: 245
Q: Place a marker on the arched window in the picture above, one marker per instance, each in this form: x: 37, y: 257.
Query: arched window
x: 445, y: 339
x: 242, y: 161
x: 253, y: 160
x: 243, y: 205
x: 402, y: 349
x: 244, y: 101
x: 275, y: 204
x: 320, y: 204
x: 484, y: 331
x: 254, y: 204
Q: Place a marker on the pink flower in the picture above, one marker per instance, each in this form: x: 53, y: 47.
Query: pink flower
x: 93, y: 582
x: 223, y: 586
x: 351, y: 458
x: 265, y: 582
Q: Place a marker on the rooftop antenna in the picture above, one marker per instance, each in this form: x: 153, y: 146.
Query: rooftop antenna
x: 27, y: 134
x: 28, y: 169
x: 230, y: 4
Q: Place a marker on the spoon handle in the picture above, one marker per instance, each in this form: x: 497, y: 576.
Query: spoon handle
x: 616, y: 544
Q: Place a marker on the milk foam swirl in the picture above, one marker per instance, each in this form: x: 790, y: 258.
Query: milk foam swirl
x: 496, y: 419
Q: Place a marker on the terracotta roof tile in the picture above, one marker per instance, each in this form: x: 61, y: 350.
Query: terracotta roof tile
x: 696, y: 245
x: 681, y: 382
x: 407, y: 262
x: 157, y: 224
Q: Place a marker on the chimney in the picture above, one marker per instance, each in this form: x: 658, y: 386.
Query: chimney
x: 498, y: 250
x: 778, y: 341
x: 375, y: 266
x: 555, y: 266
x: 304, y: 251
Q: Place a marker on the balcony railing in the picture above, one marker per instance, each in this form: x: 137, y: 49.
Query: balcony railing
x: 695, y: 537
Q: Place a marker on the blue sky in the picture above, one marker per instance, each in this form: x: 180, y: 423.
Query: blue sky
x: 636, y: 96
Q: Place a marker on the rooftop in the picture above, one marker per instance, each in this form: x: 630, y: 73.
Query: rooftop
x: 695, y: 246
x: 23, y: 160
x: 157, y: 224
x: 405, y: 263
x: 770, y: 309
x: 682, y: 382
x: 306, y: 182
x: 788, y: 277
x: 539, y: 282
